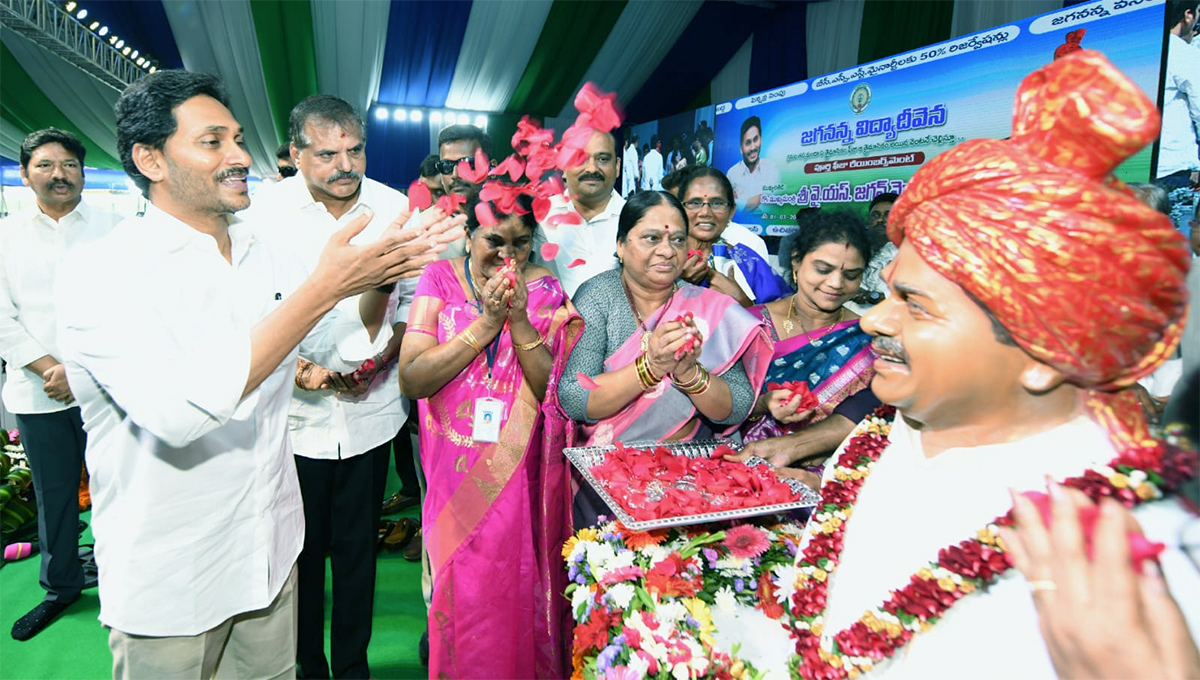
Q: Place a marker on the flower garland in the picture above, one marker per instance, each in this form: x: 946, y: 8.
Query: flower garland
x: 1134, y: 476
x: 639, y: 597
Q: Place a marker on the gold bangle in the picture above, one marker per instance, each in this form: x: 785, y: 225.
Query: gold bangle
x: 468, y: 339
x: 531, y: 345
x: 699, y: 385
x: 698, y: 374
x: 645, y: 375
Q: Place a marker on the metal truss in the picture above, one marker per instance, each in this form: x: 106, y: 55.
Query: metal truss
x: 54, y: 29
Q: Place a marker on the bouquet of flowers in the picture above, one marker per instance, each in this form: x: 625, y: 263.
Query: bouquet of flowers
x: 642, y: 601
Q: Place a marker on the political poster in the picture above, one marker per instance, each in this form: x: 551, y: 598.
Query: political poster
x: 841, y: 139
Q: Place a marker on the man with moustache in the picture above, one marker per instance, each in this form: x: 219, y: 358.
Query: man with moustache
x: 1006, y: 346
x: 753, y: 172
x: 33, y: 244
x: 458, y: 143
x: 590, y: 195
x: 180, y: 331
x: 341, y: 423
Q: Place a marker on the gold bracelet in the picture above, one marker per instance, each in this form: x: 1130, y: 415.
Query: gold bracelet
x: 699, y: 385
x: 302, y: 371
x: 531, y: 345
x: 468, y: 339
x: 645, y: 375
x: 698, y: 374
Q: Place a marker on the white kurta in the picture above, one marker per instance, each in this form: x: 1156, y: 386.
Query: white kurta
x: 911, y: 507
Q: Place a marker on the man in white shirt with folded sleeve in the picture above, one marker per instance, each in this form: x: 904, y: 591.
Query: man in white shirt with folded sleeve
x: 33, y: 244
x: 341, y: 425
x: 180, y: 332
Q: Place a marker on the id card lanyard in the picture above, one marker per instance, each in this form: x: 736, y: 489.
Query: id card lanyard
x: 489, y: 411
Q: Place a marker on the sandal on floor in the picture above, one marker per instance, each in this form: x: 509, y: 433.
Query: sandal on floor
x: 402, y: 532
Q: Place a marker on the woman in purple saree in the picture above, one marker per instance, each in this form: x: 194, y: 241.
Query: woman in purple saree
x: 817, y: 342
x: 483, y: 341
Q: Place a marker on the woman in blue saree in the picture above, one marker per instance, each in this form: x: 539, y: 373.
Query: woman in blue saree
x: 818, y: 342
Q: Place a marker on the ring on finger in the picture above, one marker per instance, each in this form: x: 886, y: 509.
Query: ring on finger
x: 1043, y: 584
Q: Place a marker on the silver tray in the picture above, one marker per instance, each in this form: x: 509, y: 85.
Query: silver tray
x: 585, y: 457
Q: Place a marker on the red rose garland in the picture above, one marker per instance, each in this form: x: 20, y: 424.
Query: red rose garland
x: 1135, y: 475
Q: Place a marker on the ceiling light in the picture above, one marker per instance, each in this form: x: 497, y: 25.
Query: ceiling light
x: 103, y: 31
x: 112, y: 39
x: 134, y: 55
x: 71, y: 6
x: 400, y: 114
x: 435, y: 116
x: 464, y: 119
x: 481, y: 121
x: 417, y: 116
x: 95, y: 25
x: 153, y: 69
x: 82, y: 14
x: 120, y: 44
x: 141, y: 61
x: 381, y: 113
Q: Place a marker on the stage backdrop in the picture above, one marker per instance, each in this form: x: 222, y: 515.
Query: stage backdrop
x: 845, y: 137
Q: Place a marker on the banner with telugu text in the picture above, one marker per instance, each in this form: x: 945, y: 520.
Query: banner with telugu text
x: 843, y: 138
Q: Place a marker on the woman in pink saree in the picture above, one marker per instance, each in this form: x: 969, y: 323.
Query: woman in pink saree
x: 486, y: 335
x: 658, y: 360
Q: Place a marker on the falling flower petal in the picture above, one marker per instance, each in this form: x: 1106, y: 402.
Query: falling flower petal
x: 576, y: 263
x: 479, y: 172
x: 541, y: 208
x: 549, y: 251
x: 419, y: 197
x: 513, y: 166
x: 450, y: 202
x: 600, y: 107
x: 484, y: 214
x: 570, y: 217
x: 586, y: 382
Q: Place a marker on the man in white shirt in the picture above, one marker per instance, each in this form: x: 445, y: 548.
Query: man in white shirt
x: 1178, y: 160
x: 753, y: 172
x: 33, y: 244
x: 590, y: 195
x: 652, y: 166
x: 341, y: 424
x: 180, y: 332
x: 629, y: 167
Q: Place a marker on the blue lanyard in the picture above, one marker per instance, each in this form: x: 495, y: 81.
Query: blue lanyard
x: 494, y: 346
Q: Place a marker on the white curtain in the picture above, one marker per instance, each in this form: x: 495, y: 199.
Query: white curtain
x: 219, y: 38
x: 733, y: 81
x: 640, y: 39
x: 500, y: 38
x: 348, y: 41
x: 831, y: 35
x: 972, y: 16
x: 84, y: 101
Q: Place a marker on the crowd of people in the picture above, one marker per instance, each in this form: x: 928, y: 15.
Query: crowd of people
x: 247, y: 367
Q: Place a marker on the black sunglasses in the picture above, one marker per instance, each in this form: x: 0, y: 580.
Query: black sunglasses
x: 446, y: 167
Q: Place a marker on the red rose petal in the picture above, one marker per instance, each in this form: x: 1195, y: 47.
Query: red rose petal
x: 484, y: 214
x: 576, y: 263
x: 570, y: 217
x: 450, y: 202
x: 513, y: 166
x: 549, y: 251
x: 419, y: 197
x: 586, y: 382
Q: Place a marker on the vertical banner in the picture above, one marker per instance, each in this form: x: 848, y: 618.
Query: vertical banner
x: 843, y: 138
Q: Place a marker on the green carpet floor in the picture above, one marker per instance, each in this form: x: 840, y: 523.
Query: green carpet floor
x: 75, y: 647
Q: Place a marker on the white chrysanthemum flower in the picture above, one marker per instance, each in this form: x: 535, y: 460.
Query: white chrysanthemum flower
x: 580, y: 602
x: 671, y: 611
x: 724, y: 600
x: 599, y: 555
x: 656, y: 553
x: 620, y: 595
x: 785, y: 576
x: 624, y: 558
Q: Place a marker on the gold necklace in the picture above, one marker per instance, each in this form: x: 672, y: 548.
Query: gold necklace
x: 788, y: 326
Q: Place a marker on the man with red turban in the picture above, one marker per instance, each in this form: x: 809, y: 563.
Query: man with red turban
x: 1029, y: 289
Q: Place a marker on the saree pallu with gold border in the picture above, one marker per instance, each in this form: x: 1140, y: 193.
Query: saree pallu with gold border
x: 495, y: 514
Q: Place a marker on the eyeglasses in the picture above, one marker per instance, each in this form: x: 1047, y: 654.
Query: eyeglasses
x: 717, y: 206
x: 446, y: 167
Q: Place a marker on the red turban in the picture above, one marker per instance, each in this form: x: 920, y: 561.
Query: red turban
x: 1085, y: 277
